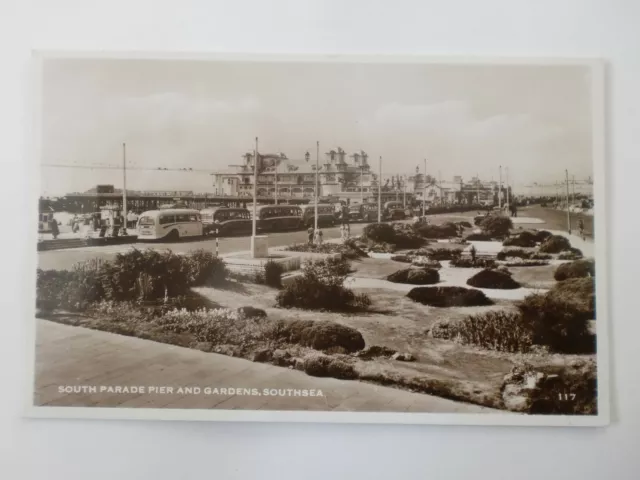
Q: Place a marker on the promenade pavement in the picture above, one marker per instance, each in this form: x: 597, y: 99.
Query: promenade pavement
x: 69, y: 356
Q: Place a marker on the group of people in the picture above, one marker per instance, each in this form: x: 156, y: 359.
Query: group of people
x: 315, y: 236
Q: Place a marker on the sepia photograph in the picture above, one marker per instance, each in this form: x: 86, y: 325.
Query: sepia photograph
x: 341, y: 239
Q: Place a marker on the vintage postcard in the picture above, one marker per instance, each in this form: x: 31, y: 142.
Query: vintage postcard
x: 333, y: 239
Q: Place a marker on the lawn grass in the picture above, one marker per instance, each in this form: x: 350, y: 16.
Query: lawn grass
x: 534, y: 277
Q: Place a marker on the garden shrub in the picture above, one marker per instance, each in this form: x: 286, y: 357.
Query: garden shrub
x: 444, y: 253
x: 273, y: 274
x: 575, y: 269
x: 449, y: 296
x: 493, y: 279
x: 321, y: 287
x: 322, y: 335
x: 541, y: 235
x: 496, y: 225
x: 405, y: 236
x: 540, y: 256
x: 206, y: 269
x: 523, y: 239
x: 478, y: 237
x: 513, y: 253
x: 464, y: 224
x: 494, y: 330
x: 577, y: 294
x: 251, y: 312
x: 469, y: 263
x: 319, y: 365
x: 349, y: 249
x: 559, y: 321
x: 414, y: 276
x: 70, y: 290
x: 379, y: 233
x: 166, y: 272
x: 555, y: 244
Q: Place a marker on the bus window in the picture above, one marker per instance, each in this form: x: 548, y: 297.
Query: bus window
x: 147, y: 220
x: 165, y: 219
x: 193, y: 217
x: 182, y: 218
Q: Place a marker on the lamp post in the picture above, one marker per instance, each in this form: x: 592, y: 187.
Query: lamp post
x: 478, y: 188
x: 380, y: 190
x: 566, y: 173
x: 424, y: 190
x: 315, y: 219
x: 508, y: 196
x: 275, y: 192
x: 361, y: 182
x: 124, y: 188
x: 404, y: 191
x: 500, y: 191
x: 255, y: 189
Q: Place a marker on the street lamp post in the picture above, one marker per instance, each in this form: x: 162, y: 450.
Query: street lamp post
x: 124, y: 189
x: 275, y: 192
x: 500, y: 191
x: 315, y: 219
x: 566, y: 173
x: 361, y: 181
x: 424, y: 190
x: 380, y: 191
x: 255, y: 188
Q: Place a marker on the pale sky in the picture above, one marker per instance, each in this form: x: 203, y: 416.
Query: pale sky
x: 465, y: 120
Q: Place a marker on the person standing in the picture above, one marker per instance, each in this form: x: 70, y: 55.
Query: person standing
x: 55, y: 231
x: 347, y: 231
x: 310, y: 235
x: 581, y: 228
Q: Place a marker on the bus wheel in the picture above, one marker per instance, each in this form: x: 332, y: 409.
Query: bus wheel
x: 173, y: 236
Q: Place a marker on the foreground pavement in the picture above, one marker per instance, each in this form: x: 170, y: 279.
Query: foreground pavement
x: 73, y: 356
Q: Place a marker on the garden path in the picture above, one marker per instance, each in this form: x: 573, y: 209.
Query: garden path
x: 76, y: 356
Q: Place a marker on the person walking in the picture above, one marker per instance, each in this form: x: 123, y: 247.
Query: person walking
x: 310, y: 235
x: 347, y: 231
x: 55, y: 231
x: 581, y: 228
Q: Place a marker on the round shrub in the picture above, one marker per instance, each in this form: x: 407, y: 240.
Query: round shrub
x: 524, y: 239
x: 496, y: 225
x: 493, y: 279
x: 379, y: 233
x: 541, y: 235
x: 555, y: 244
x: 464, y: 224
x: 206, y: 269
x: 319, y: 365
x: 323, y: 335
x: 469, y: 263
x: 415, y: 276
x: 449, y: 297
x: 575, y: 269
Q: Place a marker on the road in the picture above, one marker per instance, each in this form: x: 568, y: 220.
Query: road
x: 557, y: 219
x: 64, y: 259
